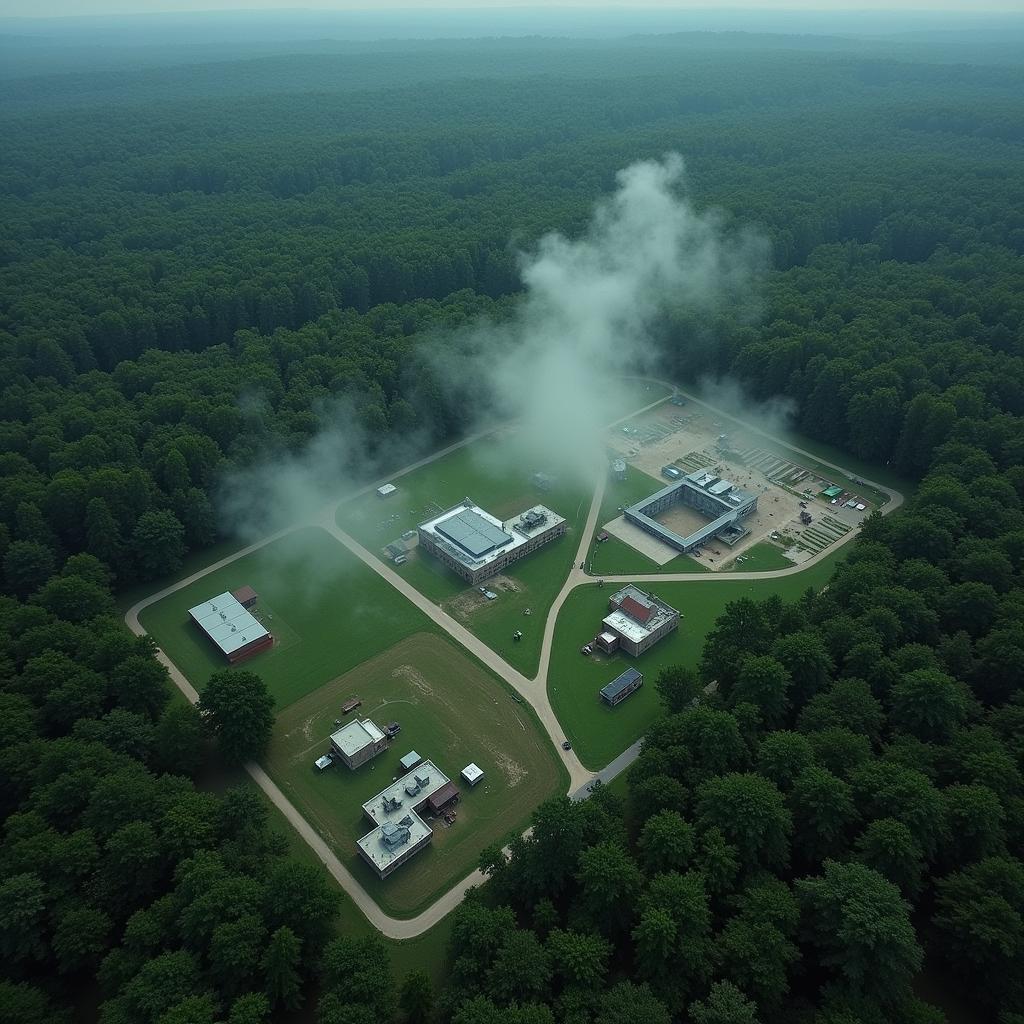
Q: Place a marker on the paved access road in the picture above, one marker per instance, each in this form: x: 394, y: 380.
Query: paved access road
x: 533, y: 690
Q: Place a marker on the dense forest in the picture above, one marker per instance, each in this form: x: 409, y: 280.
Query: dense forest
x: 197, y: 262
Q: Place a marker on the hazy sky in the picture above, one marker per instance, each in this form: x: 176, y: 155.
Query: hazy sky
x: 49, y: 8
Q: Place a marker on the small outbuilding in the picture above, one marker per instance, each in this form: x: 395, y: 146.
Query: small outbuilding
x: 471, y: 774
x: 442, y: 798
x: 410, y: 761
x: 621, y: 687
x: 245, y: 596
x: 358, y: 742
x: 386, y: 490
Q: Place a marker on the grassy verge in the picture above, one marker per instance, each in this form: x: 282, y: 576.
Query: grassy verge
x: 599, y: 733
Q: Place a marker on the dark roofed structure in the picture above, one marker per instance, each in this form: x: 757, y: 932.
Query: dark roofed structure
x: 473, y: 533
x: 622, y: 686
x: 245, y: 596
x: 443, y: 797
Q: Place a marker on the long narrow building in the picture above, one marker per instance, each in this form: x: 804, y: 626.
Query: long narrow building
x: 230, y: 626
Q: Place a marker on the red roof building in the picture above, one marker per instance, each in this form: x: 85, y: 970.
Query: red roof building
x: 635, y: 610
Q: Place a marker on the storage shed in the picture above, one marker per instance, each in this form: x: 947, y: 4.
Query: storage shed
x: 410, y: 761
x: 447, y: 794
x: 621, y: 687
x: 472, y: 774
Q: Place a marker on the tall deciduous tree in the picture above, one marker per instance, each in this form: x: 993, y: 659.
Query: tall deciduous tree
x: 158, y: 544
x: 750, y: 813
x: 861, y: 928
x: 240, y: 713
x: 281, y: 969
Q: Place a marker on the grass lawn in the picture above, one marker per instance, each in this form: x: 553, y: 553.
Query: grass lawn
x: 615, y: 557
x: 326, y: 609
x: 599, y: 733
x: 491, y: 472
x: 452, y: 711
x: 760, y: 558
x: 537, y: 579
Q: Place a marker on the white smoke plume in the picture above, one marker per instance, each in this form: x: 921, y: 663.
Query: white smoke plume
x: 595, y: 308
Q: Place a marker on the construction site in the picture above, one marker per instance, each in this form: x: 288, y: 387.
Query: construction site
x: 718, y: 489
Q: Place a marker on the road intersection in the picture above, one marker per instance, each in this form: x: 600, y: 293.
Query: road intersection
x: 534, y: 691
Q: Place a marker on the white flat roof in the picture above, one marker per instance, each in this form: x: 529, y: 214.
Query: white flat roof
x: 381, y: 853
x: 394, y: 807
x: 386, y: 489
x: 627, y: 627
x: 480, y: 528
x: 472, y: 772
x: 351, y: 738
x: 227, y: 623
x: 399, y: 801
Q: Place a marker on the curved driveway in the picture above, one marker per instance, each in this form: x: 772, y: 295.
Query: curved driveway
x: 534, y: 690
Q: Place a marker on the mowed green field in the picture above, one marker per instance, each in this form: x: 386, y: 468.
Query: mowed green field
x: 491, y: 471
x: 599, y: 733
x: 327, y: 611
x: 453, y: 712
x: 615, y: 557
x: 762, y: 557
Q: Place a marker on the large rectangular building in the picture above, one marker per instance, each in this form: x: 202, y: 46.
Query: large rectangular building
x: 637, y: 621
x: 724, y: 504
x: 358, y: 742
x: 230, y: 627
x: 476, y: 545
x: 400, y: 831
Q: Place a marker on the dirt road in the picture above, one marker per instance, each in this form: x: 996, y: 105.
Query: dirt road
x: 532, y: 690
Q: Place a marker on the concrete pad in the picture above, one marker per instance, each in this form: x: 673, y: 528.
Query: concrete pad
x: 656, y: 550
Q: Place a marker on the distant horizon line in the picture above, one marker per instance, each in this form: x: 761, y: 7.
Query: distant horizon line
x: 619, y: 6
